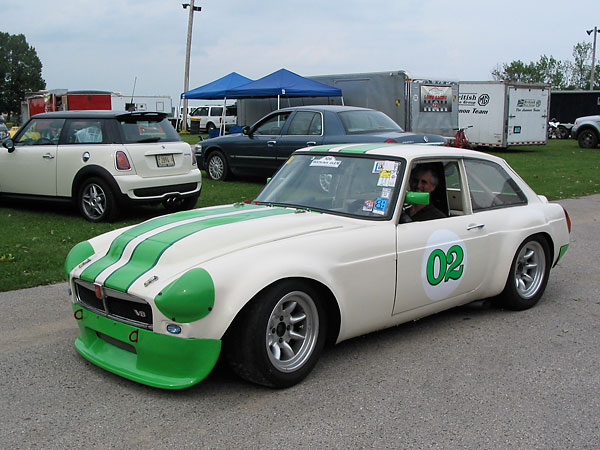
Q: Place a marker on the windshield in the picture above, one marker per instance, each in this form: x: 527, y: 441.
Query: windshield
x: 367, y: 121
x: 141, y: 129
x: 341, y: 184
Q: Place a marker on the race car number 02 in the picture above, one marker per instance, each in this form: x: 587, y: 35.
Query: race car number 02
x: 451, y: 267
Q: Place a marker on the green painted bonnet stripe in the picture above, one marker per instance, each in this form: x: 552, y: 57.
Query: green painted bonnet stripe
x: 147, y: 253
x: 118, y: 245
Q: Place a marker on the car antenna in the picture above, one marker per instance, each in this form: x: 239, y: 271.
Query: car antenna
x: 132, y: 105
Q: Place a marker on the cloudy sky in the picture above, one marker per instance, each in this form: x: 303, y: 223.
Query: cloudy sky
x: 105, y: 44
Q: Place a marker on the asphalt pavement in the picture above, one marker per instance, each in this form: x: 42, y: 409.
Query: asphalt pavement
x: 472, y: 377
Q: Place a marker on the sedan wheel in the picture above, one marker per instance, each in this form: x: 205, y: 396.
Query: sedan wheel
x: 278, y: 338
x: 528, y: 275
x: 216, y: 166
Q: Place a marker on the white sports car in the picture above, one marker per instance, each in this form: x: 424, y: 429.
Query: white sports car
x: 343, y: 241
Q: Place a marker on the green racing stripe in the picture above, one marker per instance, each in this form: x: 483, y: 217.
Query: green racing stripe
x: 147, y: 253
x: 118, y: 245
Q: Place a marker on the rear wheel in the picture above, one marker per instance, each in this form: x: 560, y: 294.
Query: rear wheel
x: 279, y: 337
x: 587, y: 139
x: 216, y: 166
x: 528, y: 275
x: 96, y: 201
x: 210, y: 126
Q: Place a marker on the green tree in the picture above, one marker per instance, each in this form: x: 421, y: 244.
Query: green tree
x: 20, y: 72
x: 581, y: 67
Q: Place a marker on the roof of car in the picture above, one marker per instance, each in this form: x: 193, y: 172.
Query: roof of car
x: 333, y: 108
x: 95, y: 114
x: 408, y: 151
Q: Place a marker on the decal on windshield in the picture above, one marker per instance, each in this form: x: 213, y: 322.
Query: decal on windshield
x: 388, y: 174
x: 380, y: 206
x: 326, y: 161
x: 444, y: 264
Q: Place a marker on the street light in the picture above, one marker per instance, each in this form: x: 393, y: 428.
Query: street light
x: 186, y: 77
x: 595, y: 30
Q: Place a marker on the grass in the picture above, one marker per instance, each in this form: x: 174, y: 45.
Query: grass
x: 36, y: 237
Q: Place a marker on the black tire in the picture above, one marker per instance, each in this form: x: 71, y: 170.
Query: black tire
x: 587, y: 139
x: 96, y: 201
x: 528, y: 275
x: 216, y: 166
x: 180, y: 204
x: 278, y: 338
x: 210, y: 126
x: 563, y: 132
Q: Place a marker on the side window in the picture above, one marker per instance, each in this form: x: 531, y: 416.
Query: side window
x: 273, y: 124
x: 491, y: 187
x: 301, y: 123
x: 41, y: 132
x: 202, y: 111
x: 85, y: 131
x: 218, y: 111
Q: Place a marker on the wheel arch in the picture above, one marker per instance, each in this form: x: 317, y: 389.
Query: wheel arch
x: 588, y: 127
x: 329, y: 302
x: 210, y: 150
x: 94, y: 171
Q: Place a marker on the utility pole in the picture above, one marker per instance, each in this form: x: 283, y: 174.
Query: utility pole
x: 595, y: 30
x: 186, y: 77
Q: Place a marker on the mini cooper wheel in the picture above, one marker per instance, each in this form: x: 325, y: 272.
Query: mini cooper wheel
x: 216, y: 166
x: 528, y: 275
x: 279, y: 337
x: 96, y: 201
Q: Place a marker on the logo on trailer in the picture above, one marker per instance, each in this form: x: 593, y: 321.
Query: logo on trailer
x: 483, y: 99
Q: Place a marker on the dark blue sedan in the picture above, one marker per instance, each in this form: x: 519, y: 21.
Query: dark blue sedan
x: 262, y: 148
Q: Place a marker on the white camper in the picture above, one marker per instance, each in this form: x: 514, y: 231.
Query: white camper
x: 503, y: 114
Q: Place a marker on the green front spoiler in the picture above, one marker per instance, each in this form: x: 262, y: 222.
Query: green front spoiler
x: 154, y: 359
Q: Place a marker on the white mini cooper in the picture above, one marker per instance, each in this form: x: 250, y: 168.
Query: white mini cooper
x: 343, y: 241
x: 102, y: 160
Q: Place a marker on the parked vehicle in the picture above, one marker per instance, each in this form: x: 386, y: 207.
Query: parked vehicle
x: 566, y: 106
x: 502, y: 114
x: 587, y: 131
x: 100, y: 160
x: 262, y: 148
x: 325, y: 253
x: 210, y: 117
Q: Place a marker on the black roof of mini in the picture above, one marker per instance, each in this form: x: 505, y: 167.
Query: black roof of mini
x: 97, y: 114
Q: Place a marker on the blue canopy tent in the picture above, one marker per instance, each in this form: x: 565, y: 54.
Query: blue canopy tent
x: 284, y: 83
x: 217, y: 90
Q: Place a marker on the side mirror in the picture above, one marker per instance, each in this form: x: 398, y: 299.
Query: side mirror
x: 9, y: 145
x: 246, y: 131
x: 417, y: 198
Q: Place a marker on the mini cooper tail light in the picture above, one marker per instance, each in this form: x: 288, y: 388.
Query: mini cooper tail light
x: 122, y: 161
x: 391, y: 141
x: 173, y: 329
x: 568, y: 219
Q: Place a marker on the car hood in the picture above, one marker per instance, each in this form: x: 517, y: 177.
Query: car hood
x: 587, y: 118
x: 170, y: 245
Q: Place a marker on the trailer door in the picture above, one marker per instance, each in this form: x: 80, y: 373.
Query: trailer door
x: 527, y: 115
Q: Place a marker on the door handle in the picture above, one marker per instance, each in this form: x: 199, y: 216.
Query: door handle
x: 309, y: 143
x: 478, y: 226
x: 48, y: 156
x: 271, y: 143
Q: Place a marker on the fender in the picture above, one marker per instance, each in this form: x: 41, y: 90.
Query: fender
x: 94, y: 171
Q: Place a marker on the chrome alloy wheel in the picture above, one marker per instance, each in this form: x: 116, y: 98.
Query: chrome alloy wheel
x: 292, y: 331
x: 216, y: 167
x: 94, y: 201
x: 530, y: 269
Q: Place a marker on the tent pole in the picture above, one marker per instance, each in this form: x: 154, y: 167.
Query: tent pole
x: 342, y: 100
x: 278, y: 107
x: 222, y: 127
x: 178, y: 112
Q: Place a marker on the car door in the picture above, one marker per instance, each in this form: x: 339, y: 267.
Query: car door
x: 258, y: 153
x: 444, y: 259
x: 31, y: 168
x: 304, y: 129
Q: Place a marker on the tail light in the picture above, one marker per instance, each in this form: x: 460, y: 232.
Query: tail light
x: 568, y: 219
x: 122, y: 161
x: 391, y: 141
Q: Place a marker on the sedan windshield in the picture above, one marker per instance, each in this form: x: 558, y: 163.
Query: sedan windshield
x: 341, y: 184
x: 367, y: 121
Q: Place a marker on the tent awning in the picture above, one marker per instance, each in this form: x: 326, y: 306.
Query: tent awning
x: 217, y: 89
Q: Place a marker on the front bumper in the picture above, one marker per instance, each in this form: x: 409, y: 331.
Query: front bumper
x: 154, y: 359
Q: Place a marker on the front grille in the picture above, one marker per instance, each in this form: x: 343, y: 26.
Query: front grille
x: 114, y: 304
x: 162, y: 190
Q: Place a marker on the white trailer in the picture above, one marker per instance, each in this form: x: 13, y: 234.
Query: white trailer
x: 154, y: 103
x: 503, y: 114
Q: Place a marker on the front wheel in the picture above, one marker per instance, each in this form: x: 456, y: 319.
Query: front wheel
x: 279, y: 337
x: 587, y: 139
x: 96, y: 201
x: 216, y: 166
x: 528, y: 275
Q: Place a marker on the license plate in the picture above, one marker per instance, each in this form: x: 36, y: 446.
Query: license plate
x: 165, y: 160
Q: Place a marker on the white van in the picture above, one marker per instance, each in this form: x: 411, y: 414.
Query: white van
x: 210, y: 116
